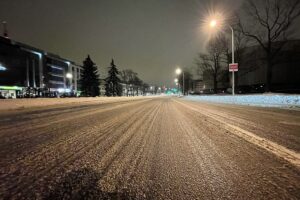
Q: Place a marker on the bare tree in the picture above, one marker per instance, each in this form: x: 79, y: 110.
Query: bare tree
x: 137, y: 84
x: 188, y: 78
x: 124, y: 75
x: 145, y: 88
x: 132, y: 82
x: 211, y: 63
x: 271, y: 23
x: 127, y: 77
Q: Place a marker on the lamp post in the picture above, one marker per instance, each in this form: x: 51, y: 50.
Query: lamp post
x: 176, y: 83
x: 213, y: 23
x: 232, y: 54
x: 178, y: 72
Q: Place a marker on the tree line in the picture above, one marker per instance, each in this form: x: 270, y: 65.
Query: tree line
x: 115, y: 81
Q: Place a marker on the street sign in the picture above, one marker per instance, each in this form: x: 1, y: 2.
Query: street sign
x: 233, y: 67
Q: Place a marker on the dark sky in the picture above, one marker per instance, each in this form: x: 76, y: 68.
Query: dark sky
x: 150, y: 37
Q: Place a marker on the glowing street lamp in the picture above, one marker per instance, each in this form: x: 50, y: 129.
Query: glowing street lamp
x: 213, y: 23
x: 178, y: 72
x: 176, y: 80
x: 69, y: 75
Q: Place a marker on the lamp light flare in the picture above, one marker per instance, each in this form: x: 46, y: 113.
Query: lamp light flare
x: 69, y: 75
x: 178, y: 71
x: 213, y: 23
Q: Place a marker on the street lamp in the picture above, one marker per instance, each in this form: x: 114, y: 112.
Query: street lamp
x: 213, y: 23
x: 178, y: 72
x: 69, y: 76
x: 177, y: 85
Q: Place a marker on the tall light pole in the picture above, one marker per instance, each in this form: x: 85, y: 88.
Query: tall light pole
x: 232, y: 56
x: 178, y: 72
x: 213, y: 23
x: 176, y: 83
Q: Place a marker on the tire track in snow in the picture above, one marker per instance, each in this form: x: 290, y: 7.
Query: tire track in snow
x: 67, y: 158
x: 276, y: 149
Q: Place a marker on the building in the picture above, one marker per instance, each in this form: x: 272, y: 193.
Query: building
x: 26, y: 71
x: 197, y: 86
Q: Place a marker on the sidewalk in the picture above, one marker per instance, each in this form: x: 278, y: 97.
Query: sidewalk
x: 12, y: 104
x: 265, y: 100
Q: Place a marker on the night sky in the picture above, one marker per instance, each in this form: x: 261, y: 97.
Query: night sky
x: 150, y: 37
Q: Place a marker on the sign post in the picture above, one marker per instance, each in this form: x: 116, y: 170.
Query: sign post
x: 233, y: 67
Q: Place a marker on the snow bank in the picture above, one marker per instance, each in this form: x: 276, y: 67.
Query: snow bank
x: 11, y: 104
x: 265, y: 100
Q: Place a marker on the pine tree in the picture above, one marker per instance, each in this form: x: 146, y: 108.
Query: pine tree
x: 112, y: 85
x: 89, y: 79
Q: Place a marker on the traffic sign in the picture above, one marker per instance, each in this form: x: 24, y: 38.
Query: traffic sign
x: 233, y: 67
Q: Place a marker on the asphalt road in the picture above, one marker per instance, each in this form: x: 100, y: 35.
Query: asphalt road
x: 160, y: 148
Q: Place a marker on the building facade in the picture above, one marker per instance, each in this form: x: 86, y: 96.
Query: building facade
x: 26, y: 71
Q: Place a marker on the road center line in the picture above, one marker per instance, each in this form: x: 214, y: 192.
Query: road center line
x: 280, y: 151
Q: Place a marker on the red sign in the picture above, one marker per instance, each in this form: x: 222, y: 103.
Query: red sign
x: 233, y: 67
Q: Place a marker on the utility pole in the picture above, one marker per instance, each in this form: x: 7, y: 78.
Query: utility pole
x: 232, y: 53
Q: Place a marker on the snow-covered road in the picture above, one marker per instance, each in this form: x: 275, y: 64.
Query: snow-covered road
x: 149, y: 148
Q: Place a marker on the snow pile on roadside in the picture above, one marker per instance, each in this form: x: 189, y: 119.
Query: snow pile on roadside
x: 11, y: 104
x: 265, y: 100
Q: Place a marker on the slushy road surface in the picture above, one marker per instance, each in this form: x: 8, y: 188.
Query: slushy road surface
x: 153, y: 148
